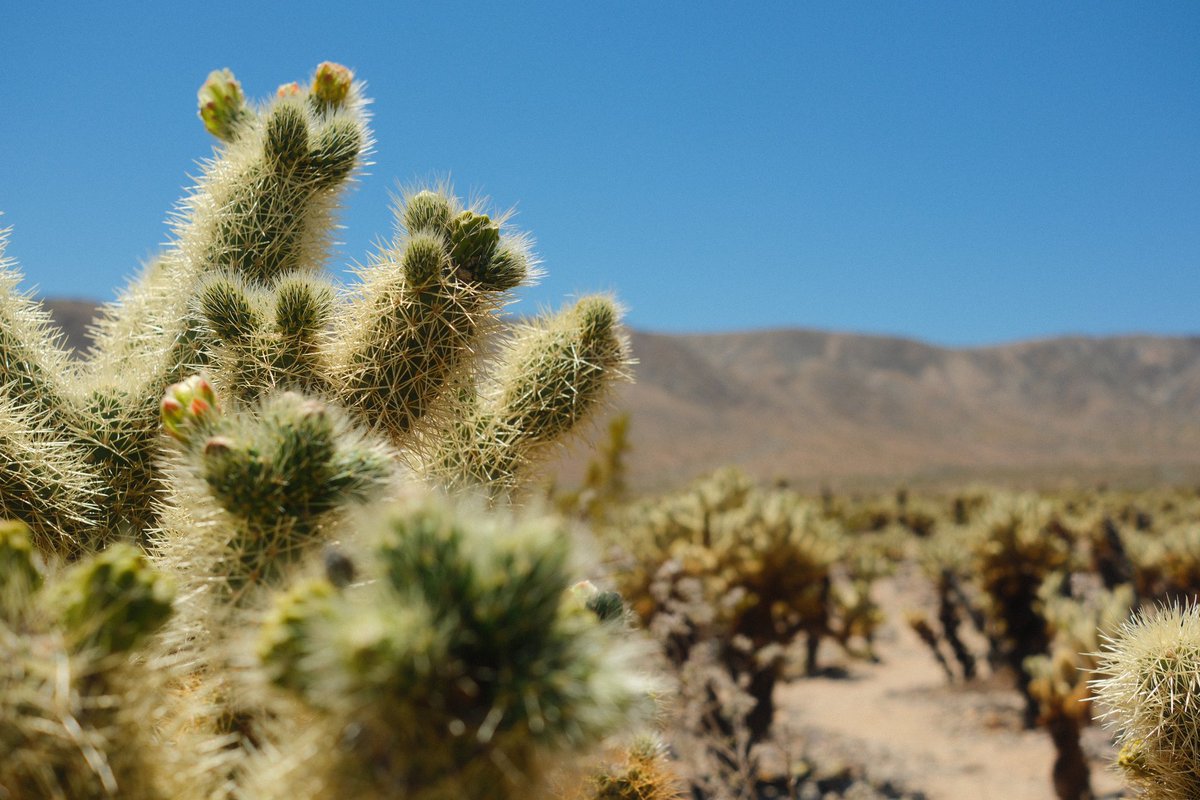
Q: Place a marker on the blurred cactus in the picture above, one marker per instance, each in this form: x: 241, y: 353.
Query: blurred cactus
x: 946, y: 560
x: 235, y: 430
x: 745, y: 569
x: 1059, y: 678
x: 114, y: 600
x: 1020, y: 543
x: 469, y: 628
x: 81, y: 707
x: 605, y: 483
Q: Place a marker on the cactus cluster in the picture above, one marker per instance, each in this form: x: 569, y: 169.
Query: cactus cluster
x: 81, y: 686
x: 1051, y: 582
x: 264, y: 547
x: 745, y: 570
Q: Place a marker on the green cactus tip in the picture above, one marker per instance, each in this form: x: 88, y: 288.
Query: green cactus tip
x: 19, y: 563
x: 606, y: 605
x: 115, y: 599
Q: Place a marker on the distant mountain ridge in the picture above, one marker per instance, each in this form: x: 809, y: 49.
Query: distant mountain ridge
x: 836, y: 408
x: 817, y: 406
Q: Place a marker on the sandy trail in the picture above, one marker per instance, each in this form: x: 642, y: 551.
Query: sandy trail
x: 902, y: 721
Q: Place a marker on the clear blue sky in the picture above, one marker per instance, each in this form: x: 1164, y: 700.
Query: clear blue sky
x: 960, y: 172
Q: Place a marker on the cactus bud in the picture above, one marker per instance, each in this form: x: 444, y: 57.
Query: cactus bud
x: 339, y: 568
x: 115, y: 599
x: 222, y: 105
x: 188, y: 405
x: 288, y: 90
x: 331, y: 85
x: 473, y: 241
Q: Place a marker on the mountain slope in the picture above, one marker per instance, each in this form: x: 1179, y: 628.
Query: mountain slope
x: 818, y: 407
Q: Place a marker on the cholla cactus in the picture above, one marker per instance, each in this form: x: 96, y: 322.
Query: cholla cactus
x: 1019, y: 544
x: 1059, y: 678
x: 641, y: 774
x: 946, y: 558
x: 458, y: 668
x: 725, y: 563
x: 1149, y: 674
x: 249, y: 424
x: 1166, y: 564
x: 78, y: 716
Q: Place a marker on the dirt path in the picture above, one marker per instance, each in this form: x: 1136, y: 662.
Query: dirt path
x: 901, y: 720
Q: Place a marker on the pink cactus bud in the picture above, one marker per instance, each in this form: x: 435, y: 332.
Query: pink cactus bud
x: 222, y: 104
x: 186, y: 406
x: 288, y: 90
x: 331, y: 85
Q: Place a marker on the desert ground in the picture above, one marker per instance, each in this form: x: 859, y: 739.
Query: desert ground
x: 899, y: 723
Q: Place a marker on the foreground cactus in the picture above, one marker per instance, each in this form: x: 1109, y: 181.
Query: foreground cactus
x: 274, y: 596
x: 1149, y: 686
x: 458, y: 668
x: 80, y: 717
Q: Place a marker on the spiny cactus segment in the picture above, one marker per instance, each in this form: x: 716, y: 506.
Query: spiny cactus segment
x: 242, y: 425
x: 1149, y: 686
x: 115, y: 599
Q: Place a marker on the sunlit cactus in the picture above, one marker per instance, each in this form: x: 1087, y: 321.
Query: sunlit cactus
x: 1148, y: 686
x: 642, y: 773
x: 552, y: 376
x: 414, y: 332
x: 207, y: 589
x: 1020, y: 543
